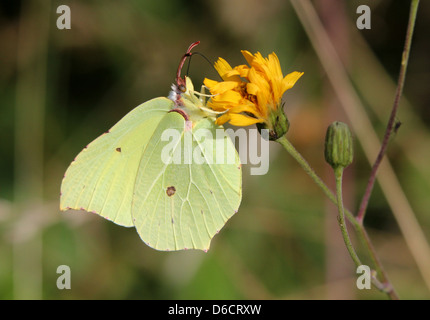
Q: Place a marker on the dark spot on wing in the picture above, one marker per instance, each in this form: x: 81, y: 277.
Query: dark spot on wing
x: 118, y: 149
x: 170, y: 191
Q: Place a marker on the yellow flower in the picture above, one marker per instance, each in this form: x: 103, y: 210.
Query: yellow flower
x: 250, y: 94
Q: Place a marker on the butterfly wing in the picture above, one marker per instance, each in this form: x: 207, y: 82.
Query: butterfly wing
x: 101, y: 179
x: 183, y: 204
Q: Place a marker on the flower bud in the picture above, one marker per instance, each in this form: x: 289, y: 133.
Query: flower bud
x: 338, y: 145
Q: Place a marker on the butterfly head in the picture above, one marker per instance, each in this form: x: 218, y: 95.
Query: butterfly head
x: 184, y: 96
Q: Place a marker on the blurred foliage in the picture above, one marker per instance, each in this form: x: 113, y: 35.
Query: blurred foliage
x: 284, y: 242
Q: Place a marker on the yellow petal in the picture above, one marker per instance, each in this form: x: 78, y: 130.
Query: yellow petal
x: 228, y: 97
x: 223, y: 67
x: 232, y: 73
x: 248, y: 56
x: 243, y: 70
x: 252, y: 88
x: 259, y: 80
x: 259, y: 63
x: 242, y: 120
x: 209, y: 83
x: 223, y: 119
x: 244, y: 108
x: 264, y: 92
x: 217, y: 106
x: 290, y: 79
x: 274, y: 67
x: 224, y: 86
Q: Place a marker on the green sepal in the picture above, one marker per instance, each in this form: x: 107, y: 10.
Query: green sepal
x: 277, y: 123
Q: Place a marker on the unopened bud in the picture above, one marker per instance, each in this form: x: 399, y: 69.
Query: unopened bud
x: 338, y: 145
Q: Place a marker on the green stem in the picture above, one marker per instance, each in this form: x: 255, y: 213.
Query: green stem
x: 361, y: 231
x: 338, y: 172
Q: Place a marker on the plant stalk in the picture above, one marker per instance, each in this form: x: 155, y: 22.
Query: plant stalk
x: 384, y: 285
x: 338, y: 172
x: 390, y: 126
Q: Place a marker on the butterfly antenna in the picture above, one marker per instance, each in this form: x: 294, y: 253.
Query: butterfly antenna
x: 203, y: 56
x: 207, y: 60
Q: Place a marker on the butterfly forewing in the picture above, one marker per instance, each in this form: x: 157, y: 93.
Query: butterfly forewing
x: 101, y: 179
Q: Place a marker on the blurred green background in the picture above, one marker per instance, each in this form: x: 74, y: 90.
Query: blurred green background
x: 60, y: 89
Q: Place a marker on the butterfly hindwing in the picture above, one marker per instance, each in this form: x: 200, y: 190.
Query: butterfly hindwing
x: 182, y: 203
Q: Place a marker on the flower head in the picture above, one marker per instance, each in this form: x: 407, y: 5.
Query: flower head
x: 251, y: 94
